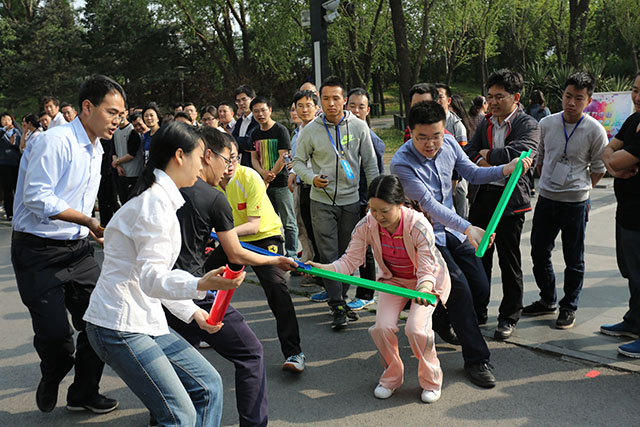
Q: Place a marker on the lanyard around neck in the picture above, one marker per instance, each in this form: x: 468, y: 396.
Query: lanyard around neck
x: 339, y: 152
x: 568, y: 137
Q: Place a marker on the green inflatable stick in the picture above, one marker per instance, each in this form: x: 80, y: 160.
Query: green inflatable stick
x: 332, y: 275
x: 369, y: 284
x: 502, y: 204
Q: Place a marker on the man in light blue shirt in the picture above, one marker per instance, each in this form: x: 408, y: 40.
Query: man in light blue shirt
x: 425, y: 165
x: 51, y: 255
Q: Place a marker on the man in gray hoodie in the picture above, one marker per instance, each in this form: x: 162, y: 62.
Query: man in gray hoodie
x: 337, y: 143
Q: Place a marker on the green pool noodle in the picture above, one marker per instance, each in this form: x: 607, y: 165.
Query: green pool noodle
x: 502, y: 204
x: 370, y: 284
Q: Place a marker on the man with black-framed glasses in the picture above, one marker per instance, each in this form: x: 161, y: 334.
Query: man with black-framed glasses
x: 502, y: 136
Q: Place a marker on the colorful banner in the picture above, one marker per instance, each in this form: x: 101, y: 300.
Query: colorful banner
x: 611, y: 109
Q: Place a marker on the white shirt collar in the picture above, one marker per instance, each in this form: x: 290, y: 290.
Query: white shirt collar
x: 167, y: 184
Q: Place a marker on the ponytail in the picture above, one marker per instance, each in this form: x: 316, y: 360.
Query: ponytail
x: 146, y: 180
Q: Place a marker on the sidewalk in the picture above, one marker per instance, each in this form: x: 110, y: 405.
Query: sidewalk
x: 604, y: 297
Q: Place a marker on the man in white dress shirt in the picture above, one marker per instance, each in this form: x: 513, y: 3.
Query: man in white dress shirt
x: 51, y: 255
x: 51, y: 106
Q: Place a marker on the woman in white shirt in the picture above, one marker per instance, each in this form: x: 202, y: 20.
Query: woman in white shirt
x: 126, y: 325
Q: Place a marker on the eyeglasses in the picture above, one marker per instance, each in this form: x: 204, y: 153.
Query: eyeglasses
x: 497, y: 98
x: 242, y: 100
x: 424, y: 139
x: 226, y: 160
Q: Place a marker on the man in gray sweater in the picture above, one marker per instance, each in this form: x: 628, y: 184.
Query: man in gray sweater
x: 336, y: 142
x: 569, y: 165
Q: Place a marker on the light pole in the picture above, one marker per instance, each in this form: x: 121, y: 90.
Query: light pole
x: 319, y: 22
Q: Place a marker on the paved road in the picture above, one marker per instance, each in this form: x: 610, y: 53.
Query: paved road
x: 542, y: 372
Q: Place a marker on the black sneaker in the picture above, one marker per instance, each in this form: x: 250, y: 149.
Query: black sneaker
x: 447, y: 334
x: 340, y: 320
x: 47, y: 395
x: 481, y: 374
x: 98, y: 404
x: 539, y: 308
x: 351, y: 315
x: 504, y: 330
x: 566, y: 319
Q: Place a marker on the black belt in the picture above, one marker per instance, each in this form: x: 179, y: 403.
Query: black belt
x: 43, y: 241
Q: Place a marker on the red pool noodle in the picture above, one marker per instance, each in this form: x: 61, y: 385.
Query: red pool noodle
x: 223, y: 298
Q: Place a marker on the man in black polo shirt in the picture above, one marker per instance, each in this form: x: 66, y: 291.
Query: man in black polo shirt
x: 206, y: 208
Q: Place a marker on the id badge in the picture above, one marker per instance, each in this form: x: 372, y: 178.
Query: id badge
x: 347, y: 168
x: 560, y: 173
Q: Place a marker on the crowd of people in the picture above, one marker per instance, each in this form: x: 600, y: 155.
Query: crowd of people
x: 319, y: 194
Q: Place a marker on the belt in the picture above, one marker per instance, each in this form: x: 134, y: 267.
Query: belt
x: 37, y: 240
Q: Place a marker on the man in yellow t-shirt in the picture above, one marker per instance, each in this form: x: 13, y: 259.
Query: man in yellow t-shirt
x: 256, y: 221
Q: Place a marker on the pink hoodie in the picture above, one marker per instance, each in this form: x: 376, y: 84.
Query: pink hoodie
x: 419, y: 242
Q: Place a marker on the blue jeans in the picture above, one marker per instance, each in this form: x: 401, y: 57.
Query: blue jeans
x: 282, y: 200
x: 549, y: 219
x: 173, y: 380
x: 628, y: 255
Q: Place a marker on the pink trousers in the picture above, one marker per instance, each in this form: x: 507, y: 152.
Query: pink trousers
x: 420, y: 334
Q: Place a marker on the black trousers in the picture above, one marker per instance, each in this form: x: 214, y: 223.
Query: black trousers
x: 107, y: 199
x: 368, y: 270
x: 9, y: 180
x: 274, y: 284
x: 125, y: 185
x: 237, y: 343
x: 468, y: 284
x: 55, y: 277
x: 507, y: 243
x: 305, y: 212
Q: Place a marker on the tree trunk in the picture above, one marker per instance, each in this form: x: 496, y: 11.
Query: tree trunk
x: 578, y: 14
x: 402, y: 50
x: 484, y: 69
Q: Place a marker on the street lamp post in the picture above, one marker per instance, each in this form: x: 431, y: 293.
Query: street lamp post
x: 181, y: 69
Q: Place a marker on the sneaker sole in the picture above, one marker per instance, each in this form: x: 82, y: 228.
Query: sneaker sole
x: 292, y: 368
x: 360, y: 307
x: 340, y: 326
x: 565, y: 326
x: 619, y: 334
x: 629, y: 354
x: 73, y: 408
x: 319, y: 300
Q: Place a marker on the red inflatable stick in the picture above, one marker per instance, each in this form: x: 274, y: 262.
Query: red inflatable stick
x: 223, y: 298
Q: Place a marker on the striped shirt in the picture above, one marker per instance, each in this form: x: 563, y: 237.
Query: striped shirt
x: 394, y: 253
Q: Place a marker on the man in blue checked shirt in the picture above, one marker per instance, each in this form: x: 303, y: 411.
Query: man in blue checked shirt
x: 425, y: 165
x: 50, y: 251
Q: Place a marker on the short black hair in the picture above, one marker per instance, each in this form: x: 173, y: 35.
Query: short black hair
x: 181, y: 114
x: 42, y: 113
x: 446, y: 88
x: 48, y: 98
x: 66, y: 104
x: 188, y: 104
x: 135, y: 116
x: 423, y: 88
x: 178, y: 105
x: 33, y: 119
x: 228, y: 104
x: 231, y: 140
x: 426, y: 113
x: 361, y: 92
x: 582, y: 80
x: 96, y: 87
x: 511, y: 81
x: 333, y: 81
x: 305, y: 94
x: 260, y: 100
x: 246, y: 89
x: 214, y: 140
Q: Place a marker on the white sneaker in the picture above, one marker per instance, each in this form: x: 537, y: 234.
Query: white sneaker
x: 382, y: 392
x: 430, y: 396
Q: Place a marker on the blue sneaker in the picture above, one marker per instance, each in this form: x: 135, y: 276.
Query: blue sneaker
x: 630, y: 350
x: 618, y: 330
x: 321, y: 296
x: 295, y: 363
x: 358, y: 304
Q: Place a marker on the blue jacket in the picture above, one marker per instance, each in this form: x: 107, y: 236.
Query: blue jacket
x: 10, y: 153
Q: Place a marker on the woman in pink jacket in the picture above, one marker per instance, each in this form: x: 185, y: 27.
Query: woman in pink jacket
x: 404, y: 248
